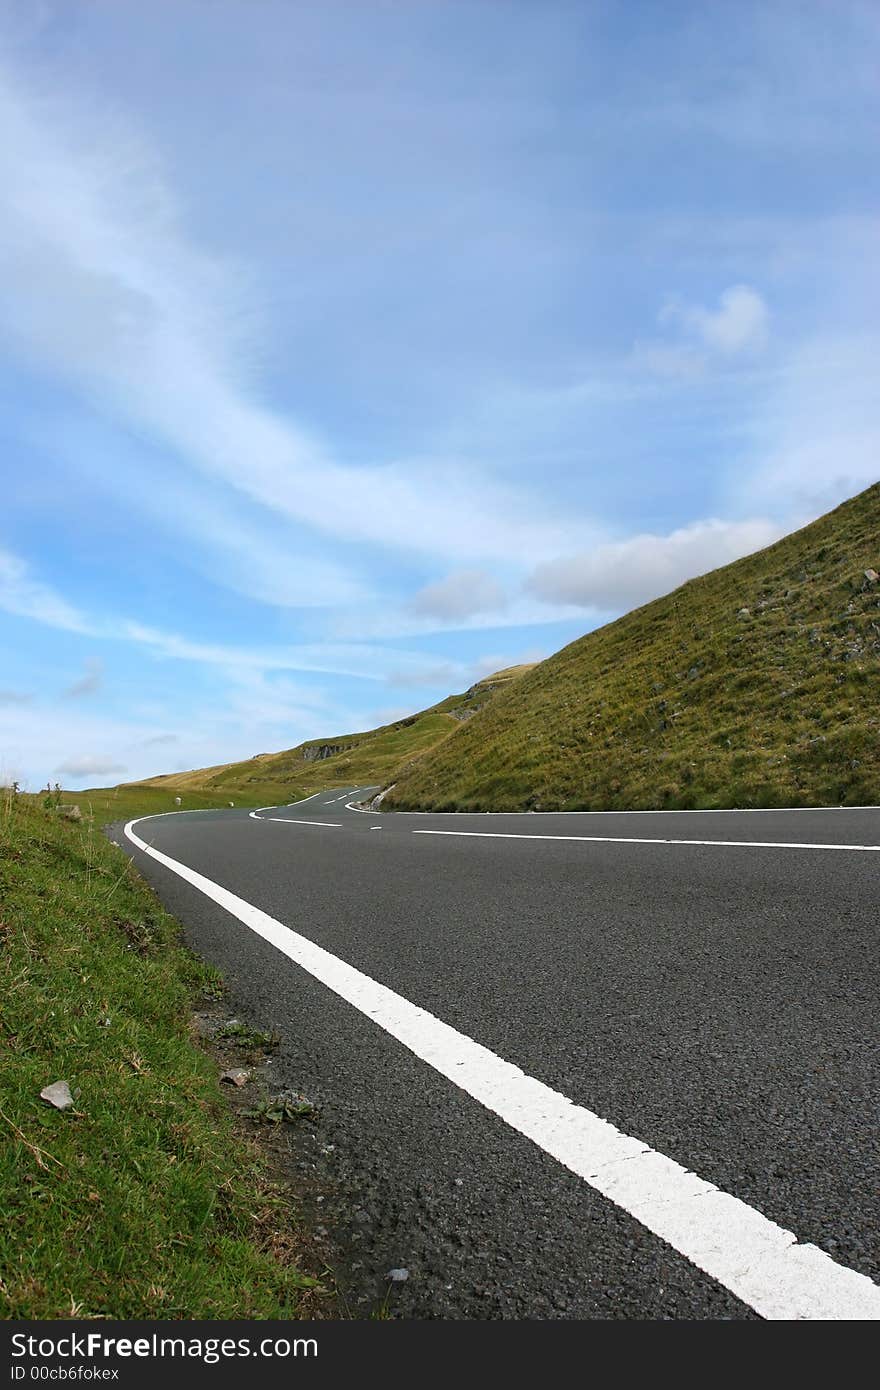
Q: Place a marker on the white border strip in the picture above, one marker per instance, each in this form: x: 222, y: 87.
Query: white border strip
x: 647, y: 840
x: 656, y: 811
x: 761, y: 1263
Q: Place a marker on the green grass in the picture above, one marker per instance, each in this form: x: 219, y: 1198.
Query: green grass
x: 363, y: 759
x: 141, y: 1201
x: 689, y: 703
x: 107, y: 804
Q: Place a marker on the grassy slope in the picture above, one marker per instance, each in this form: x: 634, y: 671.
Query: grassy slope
x: 366, y: 758
x: 140, y: 1202
x: 106, y: 804
x: 685, y: 703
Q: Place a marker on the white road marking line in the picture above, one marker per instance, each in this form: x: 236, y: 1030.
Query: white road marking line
x: 362, y: 810
x: 697, y: 811
x: 646, y: 840
x: 376, y: 827
x: 288, y: 820
x: 255, y: 816
x: 760, y: 1262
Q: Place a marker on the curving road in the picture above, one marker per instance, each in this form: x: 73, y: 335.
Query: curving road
x: 591, y: 1065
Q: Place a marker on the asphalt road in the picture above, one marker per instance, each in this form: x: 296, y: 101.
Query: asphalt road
x: 705, y: 982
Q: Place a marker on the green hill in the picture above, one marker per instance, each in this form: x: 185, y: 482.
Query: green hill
x: 755, y: 685
x: 361, y: 759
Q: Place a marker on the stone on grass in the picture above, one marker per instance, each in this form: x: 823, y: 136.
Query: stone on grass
x: 58, y: 1094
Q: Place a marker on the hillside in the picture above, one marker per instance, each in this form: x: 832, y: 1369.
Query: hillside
x: 366, y: 758
x: 755, y: 685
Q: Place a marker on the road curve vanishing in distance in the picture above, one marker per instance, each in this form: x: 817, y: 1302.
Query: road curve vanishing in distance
x: 616, y: 1064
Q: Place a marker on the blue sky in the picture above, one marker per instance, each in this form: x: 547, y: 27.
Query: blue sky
x: 351, y: 351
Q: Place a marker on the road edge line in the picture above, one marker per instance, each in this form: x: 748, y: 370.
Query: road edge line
x: 760, y: 1262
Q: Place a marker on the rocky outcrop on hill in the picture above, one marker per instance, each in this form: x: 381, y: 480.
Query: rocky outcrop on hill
x: 316, y: 752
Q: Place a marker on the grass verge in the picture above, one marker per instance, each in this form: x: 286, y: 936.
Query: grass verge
x: 141, y: 1200
x: 107, y: 804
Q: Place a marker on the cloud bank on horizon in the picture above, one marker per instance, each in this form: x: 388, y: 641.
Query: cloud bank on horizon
x: 385, y: 342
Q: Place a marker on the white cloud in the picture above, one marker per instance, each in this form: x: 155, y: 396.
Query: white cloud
x: 621, y: 575
x: 738, y: 324
x: 459, y: 595
x: 737, y: 328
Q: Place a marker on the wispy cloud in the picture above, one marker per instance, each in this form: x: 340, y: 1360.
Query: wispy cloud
x: 26, y: 597
x: 103, y: 287
x: 284, y: 430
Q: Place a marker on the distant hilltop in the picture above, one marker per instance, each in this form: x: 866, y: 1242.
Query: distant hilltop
x: 755, y: 685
